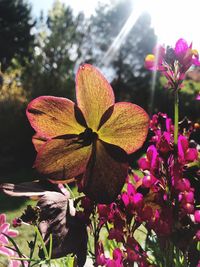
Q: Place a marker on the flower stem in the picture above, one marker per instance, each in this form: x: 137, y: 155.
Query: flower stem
x: 176, y: 117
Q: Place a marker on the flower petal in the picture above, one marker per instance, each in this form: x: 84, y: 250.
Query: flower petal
x: 6, y: 251
x: 38, y: 141
x: 127, y: 127
x: 12, y: 233
x: 106, y: 173
x: 181, y: 47
x: 52, y: 116
x: 2, y: 218
x: 62, y: 159
x: 94, y: 94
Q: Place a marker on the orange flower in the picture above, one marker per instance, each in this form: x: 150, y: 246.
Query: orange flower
x: 89, y: 140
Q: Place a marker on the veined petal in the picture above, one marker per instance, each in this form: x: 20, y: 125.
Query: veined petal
x: 94, y: 94
x: 127, y: 127
x: 62, y: 159
x: 106, y: 173
x: 52, y: 116
x: 38, y: 141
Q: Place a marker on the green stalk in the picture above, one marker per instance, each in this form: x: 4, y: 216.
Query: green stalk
x: 176, y: 117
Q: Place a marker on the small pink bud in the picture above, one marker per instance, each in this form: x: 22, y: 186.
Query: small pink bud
x: 197, y: 216
x: 147, y: 181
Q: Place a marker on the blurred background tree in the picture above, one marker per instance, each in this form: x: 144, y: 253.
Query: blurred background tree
x: 57, y: 48
x: 15, y: 32
x: 130, y: 80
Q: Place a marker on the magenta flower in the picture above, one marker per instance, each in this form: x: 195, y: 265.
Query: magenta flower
x: 197, y: 216
x: 186, y: 55
x: 186, y: 154
x: 150, y: 162
x: 198, y: 97
x: 117, y: 259
x: 173, y: 62
x: 131, y: 199
x: 100, y: 259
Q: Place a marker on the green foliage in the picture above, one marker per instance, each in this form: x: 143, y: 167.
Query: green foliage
x: 15, y: 27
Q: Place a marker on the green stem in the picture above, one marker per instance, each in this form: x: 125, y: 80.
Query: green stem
x: 42, y: 243
x: 176, y: 115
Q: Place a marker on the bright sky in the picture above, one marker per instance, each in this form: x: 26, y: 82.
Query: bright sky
x: 87, y: 6
x: 171, y: 19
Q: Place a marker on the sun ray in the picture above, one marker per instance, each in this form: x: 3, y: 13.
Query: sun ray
x: 122, y: 35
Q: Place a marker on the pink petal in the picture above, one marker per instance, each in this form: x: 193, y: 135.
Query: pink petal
x: 15, y: 263
x: 197, y: 216
x: 6, y: 251
x: 191, y: 154
x: 2, y: 218
x: 4, y: 228
x: 181, y: 47
x: 143, y: 164
x: 12, y: 233
x: 3, y: 239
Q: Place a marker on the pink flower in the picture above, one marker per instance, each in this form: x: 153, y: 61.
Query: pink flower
x: 198, y: 97
x: 4, y: 242
x: 197, y: 216
x: 148, y: 180
x: 131, y: 199
x: 185, y: 55
x: 5, y: 230
x: 101, y: 259
x: 150, y: 162
x: 173, y: 62
x: 185, y: 153
x: 117, y: 259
